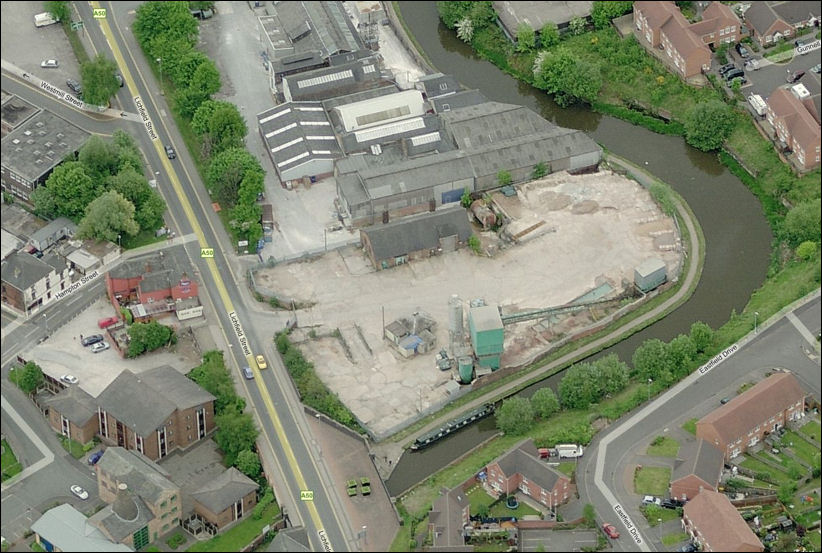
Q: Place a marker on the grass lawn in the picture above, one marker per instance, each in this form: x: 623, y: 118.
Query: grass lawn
x: 783, y: 460
x: 690, y: 426
x: 142, y: 238
x: 671, y: 539
x: 477, y: 497
x: 72, y: 446
x: 800, y: 447
x: 150, y: 548
x: 812, y: 429
x: 492, y: 546
x: 652, y: 481
x: 239, y: 536
x: 567, y: 468
x: 8, y: 462
x: 501, y: 510
x: 663, y: 447
x: 653, y: 515
x: 758, y: 466
x: 815, y: 539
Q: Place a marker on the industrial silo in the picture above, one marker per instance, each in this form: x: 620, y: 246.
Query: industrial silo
x: 455, y: 318
x: 466, y: 368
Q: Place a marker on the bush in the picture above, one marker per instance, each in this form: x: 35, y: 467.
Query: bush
x: 475, y: 244
x: 176, y: 540
x: 265, y: 501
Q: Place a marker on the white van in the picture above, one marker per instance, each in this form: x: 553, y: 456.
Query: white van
x: 758, y: 104
x: 43, y: 19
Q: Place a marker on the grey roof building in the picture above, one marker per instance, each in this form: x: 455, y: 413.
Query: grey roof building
x: 14, y: 111
x: 179, y: 390
x: 64, y: 528
x: 225, y: 490
x: 698, y: 466
x: 447, y: 520
x: 123, y: 518
x: 337, y: 80
x: 143, y: 476
x: 436, y: 85
x: 74, y: 404
x: 290, y: 540
x: 460, y: 99
x: 28, y: 283
x: 537, y: 14
x: 299, y: 139
x: 51, y: 233
x: 9, y: 243
x: 32, y: 150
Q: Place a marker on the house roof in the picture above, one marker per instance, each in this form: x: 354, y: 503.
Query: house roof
x: 698, y: 458
x: 293, y: 540
x: 180, y: 390
x: 457, y: 100
x: 54, y: 227
x: 720, y: 523
x: 768, y: 397
x: 222, y: 492
x: 656, y: 13
x: 23, y: 270
x: 159, y: 270
x: 143, y: 477
x: 420, y: 232
x: 74, y: 404
x: 525, y: 461
x: 446, y: 517
x: 718, y: 10
x: 122, y: 523
x: 794, y: 12
x: 798, y: 117
x: 682, y: 39
x: 68, y: 529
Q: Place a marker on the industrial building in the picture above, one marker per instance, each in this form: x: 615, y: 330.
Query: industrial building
x: 650, y: 274
x: 338, y: 80
x: 487, y: 336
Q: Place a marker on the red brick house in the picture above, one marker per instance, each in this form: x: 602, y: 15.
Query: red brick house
x: 773, y: 21
x: 719, y: 25
x: 698, y: 467
x: 745, y: 420
x: 713, y: 522
x: 72, y: 413
x: 226, y: 499
x: 794, y: 114
x: 522, y: 470
x: 661, y: 25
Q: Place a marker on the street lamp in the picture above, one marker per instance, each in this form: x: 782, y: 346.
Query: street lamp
x: 46, y: 323
x: 118, y: 240
x: 756, y: 314
x: 364, y: 534
x: 162, y: 84
x: 659, y: 526
x: 649, y: 388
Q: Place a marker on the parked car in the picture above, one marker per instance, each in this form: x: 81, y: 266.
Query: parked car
x: 733, y: 74
x: 671, y: 503
x: 724, y: 400
x: 742, y: 51
x: 795, y: 76
x: 107, y: 322
x: 649, y: 499
x: 752, y: 64
x: 725, y: 68
x: 120, y: 80
x: 610, y: 530
x: 687, y: 548
x: 170, y: 153
x: 79, y: 492
x: 817, y: 68
x: 93, y: 339
x: 261, y: 362
x: 69, y: 379
x: 75, y: 86
x: 100, y: 346
x: 94, y: 457
x: 247, y: 373
x: 49, y: 64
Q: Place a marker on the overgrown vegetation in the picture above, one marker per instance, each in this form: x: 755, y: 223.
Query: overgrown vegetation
x: 149, y: 336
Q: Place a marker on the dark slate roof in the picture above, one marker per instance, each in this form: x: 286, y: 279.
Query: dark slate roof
x: 438, y: 84
x: 23, y: 270
x: 525, y: 461
x: 446, y: 516
x: 131, y: 401
x: 222, y: 492
x: 699, y: 458
x: 54, y: 227
x: 760, y: 16
x: 420, y: 232
x: 489, y: 122
x: 339, y: 80
x: 796, y: 11
x: 159, y: 270
x: 292, y: 540
x: 119, y: 528
x: 360, y: 140
x: 180, y: 390
x: 297, y: 132
x: 321, y: 26
x: 74, y: 404
x: 144, y: 477
x: 460, y: 99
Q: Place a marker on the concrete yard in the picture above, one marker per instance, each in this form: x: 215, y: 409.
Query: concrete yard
x: 596, y: 229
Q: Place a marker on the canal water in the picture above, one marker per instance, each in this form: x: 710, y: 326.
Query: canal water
x: 736, y: 232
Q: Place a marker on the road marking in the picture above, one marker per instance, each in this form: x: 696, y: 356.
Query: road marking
x: 720, y: 357
x: 324, y: 540
x: 803, y: 330
x: 141, y: 110
x: 306, y: 495
x: 240, y: 333
x: 206, y: 252
x: 626, y: 520
x: 99, y: 13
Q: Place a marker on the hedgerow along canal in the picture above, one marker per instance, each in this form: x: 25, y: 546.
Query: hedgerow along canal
x: 737, y: 235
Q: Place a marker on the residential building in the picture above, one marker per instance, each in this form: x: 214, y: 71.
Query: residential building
x: 155, y: 284
x: 773, y: 21
x: 144, y: 504
x: 746, y: 419
x: 291, y: 540
x: 661, y: 25
x: 28, y: 283
x: 719, y: 25
x: 34, y: 148
x: 416, y: 237
x: 537, y: 14
x: 64, y: 528
x: 698, y: 467
x: 449, y: 516
x: 226, y: 499
x: 72, y: 413
x: 713, y: 522
x: 794, y: 114
x: 155, y: 412
x: 522, y: 470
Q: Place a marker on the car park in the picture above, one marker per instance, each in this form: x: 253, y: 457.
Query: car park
x: 94, y: 457
x: 69, y: 379
x: 79, y: 492
x: 610, y: 530
x: 261, y: 362
x: 75, y: 86
x: 795, y: 76
x: 170, y: 153
x: 742, y: 51
x: 49, y: 64
x: 247, y: 373
x: 100, y: 346
x: 93, y: 339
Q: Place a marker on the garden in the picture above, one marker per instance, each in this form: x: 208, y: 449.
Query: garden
x: 8, y: 462
x: 485, y: 505
x: 651, y: 480
x: 662, y: 446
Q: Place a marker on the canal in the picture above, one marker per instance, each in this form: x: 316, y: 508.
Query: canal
x: 736, y: 232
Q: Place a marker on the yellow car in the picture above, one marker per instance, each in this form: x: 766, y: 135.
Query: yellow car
x: 261, y: 362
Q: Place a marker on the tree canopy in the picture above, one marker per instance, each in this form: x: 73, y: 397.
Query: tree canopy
x: 526, y: 38
x: 99, y: 81
x: 802, y: 223
x: 708, y: 124
x: 228, y: 170
x: 67, y: 192
x: 515, y: 416
x: 30, y: 377
x: 603, y: 12
x: 568, y: 79
x: 107, y: 216
x: 235, y: 433
x: 169, y: 20
x: 545, y: 402
x: 148, y: 337
x: 220, y: 126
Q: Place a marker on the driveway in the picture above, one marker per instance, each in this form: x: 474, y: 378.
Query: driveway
x: 771, y: 76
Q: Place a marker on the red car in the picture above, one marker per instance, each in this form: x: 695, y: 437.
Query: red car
x: 107, y: 322
x: 610, y: 530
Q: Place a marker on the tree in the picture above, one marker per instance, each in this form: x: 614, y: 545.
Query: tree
x: 245, y: 219
x: 30, y: 378
x: 170, y: 20
x: 452, y: 13
x: 465, y: 199
x: 127, y: 152
x: 515, y: 416
x: 681, y: 353
x: 149, y: 216
x: 802, y: 224
x: 545, y: 402
x: 580, y: 387
x: 526, y: 38
x: 806, y: 250
x: 227, y: 171
x: 99, y: 80
x: 59, y: 10
x: 702, y: 336
x: 549, y: 35
x: 235, y: 432
x: 465, y: 30
x: 577, y: 25
x: 482, y: 510
x: 220, y: 126
x: 107, y: 216
x: 603, y: 12
x: 540, y: 170
x: 568, y: 79
x: 67, y: 192
x: 650, y: 359
x: 100, y: 158
x: 148, y: 337
x: 785, y: 493
x: 248, y: 462
x: 708, y: 124
x: 183, y: 71
x: 212, y: 376
x: 613, y: 373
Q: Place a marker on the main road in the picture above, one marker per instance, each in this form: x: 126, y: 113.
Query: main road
x: 284, y: 430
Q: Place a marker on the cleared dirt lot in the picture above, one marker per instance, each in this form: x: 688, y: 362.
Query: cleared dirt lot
x: 600, y: 227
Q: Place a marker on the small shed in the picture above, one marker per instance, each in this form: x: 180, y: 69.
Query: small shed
x: 650, y: 274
